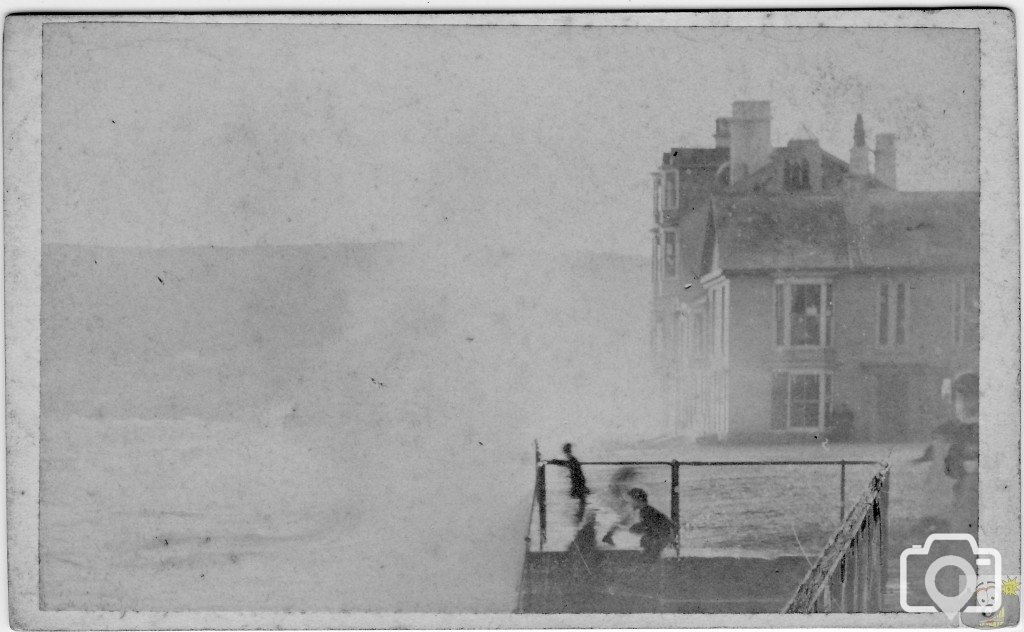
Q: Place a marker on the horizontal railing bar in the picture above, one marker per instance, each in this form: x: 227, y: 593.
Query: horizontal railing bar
x: 700, y: 463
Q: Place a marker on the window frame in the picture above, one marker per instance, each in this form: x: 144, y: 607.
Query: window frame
x: 825, y: 399
x: 783, y: 301
x: 718, y: 319
x: 655, y: 262
x: 962, y: 317
x: 895, y: 322
x: 796, y: 174
x: 658, y: 196
x: 670, y: 202
x: 669, y: 237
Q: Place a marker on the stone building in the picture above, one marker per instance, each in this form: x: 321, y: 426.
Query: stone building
x: 800, y: 295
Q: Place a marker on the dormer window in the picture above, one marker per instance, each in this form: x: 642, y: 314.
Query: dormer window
x: 796, y: 175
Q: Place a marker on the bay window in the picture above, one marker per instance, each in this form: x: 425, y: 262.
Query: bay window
x: 669, y: 200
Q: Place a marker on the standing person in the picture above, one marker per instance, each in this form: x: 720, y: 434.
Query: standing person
x: 655, y: 528
x: 954, y: 454
x: 961, y: 460
x: 577, y: 482
x: 618, y: 492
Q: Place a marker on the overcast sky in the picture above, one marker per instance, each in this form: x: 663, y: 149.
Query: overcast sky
x: 517, y: 137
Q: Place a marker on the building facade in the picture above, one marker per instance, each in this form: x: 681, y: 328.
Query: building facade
x: 797, y: 294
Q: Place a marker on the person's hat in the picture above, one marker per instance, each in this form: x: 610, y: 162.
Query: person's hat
x: 966, y: 385
x: 638, y: 494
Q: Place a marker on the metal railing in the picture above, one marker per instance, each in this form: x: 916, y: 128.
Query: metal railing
x: 850, y: 575
x: 540, y: 492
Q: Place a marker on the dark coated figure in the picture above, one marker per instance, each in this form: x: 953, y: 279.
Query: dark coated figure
x: 655, y: 528
x: 577, y: 481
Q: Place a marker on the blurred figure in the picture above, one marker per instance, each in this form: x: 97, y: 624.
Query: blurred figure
x: 585, y: 542
x: 577, y: 482
x: 961, y: 460
x: 655, y: 528
x: 619, y: 500
x: 954, y: 454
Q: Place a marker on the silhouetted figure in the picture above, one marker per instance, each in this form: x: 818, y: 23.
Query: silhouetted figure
x: 577, y: 482
x: 655, y: 528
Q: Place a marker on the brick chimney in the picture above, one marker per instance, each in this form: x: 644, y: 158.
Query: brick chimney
x: 750, y: 143
x: 885, y: 159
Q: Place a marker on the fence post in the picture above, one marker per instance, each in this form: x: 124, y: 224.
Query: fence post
x: 542, y: 505
x: 675, y: 501
x: 842, y: 491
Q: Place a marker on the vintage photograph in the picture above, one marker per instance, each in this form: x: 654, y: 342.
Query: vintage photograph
x: 511, y: 315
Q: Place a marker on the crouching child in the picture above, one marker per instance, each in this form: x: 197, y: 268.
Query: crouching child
x: 655, y: 529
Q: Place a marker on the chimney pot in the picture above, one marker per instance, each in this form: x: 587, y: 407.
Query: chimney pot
x: 859, y: 152
x: 721, y: 132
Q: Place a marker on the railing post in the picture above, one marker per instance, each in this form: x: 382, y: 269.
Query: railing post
x: 853, y: 576
x: 675, y: 501
x: 871, y: 564
x: 883, y: 532
x: 880, y: 580
x: 542, y: 505
x: 842, y: 491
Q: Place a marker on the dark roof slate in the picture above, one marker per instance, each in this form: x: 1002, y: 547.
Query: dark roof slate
x: 780, y: 231
x: 875, y: 229
x: 918, y: 228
